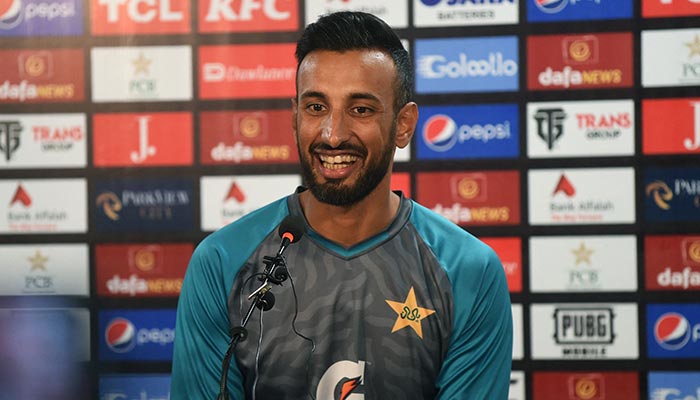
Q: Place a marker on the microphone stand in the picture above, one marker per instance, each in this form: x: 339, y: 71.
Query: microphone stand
x: 275, y: 272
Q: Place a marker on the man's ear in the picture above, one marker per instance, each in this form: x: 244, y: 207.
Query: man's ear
x: 406, y: 122
x: 294, y: 114
x: 295, y: 111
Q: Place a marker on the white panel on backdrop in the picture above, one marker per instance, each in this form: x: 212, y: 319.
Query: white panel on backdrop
x: 583, y: 264
x: 581, y: 196
x: 428, y: 13
x: 43, y: 141
x: 517, y: 311
x: 584, y: 331
x: 394, y: 12
x: 44, y: 269
x: 149, y: 73
x: 43, y: 206
x: 671, y: 57
x: 580, y: 129
x: 227, y: 198
x: 517, y: 386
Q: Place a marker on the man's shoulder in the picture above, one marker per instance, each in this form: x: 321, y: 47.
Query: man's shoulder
x: 235, y: 241
x: 254, y: 225
x: 453, y: 245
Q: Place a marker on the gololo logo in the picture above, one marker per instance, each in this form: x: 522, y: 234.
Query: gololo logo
x: 672, y: 331
x: 120, y: 335
x: 10, y: 13
x: 661, y: 193
x: 439, y: 133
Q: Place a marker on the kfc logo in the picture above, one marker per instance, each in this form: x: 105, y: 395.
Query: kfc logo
x: 248, y: 15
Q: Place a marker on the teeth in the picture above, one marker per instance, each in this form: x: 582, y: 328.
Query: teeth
x: 337, y: 162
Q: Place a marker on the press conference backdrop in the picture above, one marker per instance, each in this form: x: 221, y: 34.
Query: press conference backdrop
x: 565, y: 133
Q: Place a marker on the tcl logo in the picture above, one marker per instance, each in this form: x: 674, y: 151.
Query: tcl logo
x: 249, y: 15
x: 140, y: 16
x: 141, y: 11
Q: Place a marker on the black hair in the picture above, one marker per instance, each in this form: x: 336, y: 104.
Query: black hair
x: 348, y: 30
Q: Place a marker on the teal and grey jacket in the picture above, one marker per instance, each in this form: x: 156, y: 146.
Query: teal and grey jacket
x: 419, y: 311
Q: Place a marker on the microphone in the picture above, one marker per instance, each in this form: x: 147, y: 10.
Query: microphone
x: 291, y: 230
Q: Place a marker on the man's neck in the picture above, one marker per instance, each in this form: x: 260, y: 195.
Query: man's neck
x: 353, y: 224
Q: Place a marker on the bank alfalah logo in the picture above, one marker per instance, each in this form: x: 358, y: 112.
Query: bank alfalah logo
x: 550, y: 124
x: 9, y: 137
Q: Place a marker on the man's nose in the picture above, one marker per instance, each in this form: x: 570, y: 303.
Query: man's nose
x: 334, y: 129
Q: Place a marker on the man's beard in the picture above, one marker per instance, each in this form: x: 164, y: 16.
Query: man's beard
x: 335, y: 191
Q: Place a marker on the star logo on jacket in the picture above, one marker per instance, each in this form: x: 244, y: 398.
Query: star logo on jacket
x: 409, y: 313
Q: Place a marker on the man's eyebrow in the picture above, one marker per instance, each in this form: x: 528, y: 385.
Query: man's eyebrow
x: 364, y: 96
x: 353, y: 96
x: 313, y: 94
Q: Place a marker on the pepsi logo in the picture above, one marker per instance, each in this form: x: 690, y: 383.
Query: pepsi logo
x: 439, y: 132
x: 120, y: 335
x: 10, y: 13
x: 672, y: 331
x: 551, y: 6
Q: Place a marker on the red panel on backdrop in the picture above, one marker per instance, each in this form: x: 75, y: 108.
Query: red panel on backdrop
x: 401, y: 181
x: 141, y: 270
x: 143, y: 139
x: 140, y: 17
x: 36, y: 76
x: 247, y: 137
x: 587, y: 61
x: 248, y: 15
x: 247, y: 71
x: 670, y: 8
x: 677, y: 135
x: 509, y: 251
x: 472, y: 198
x: 672, y: 262
x: 585, y: 385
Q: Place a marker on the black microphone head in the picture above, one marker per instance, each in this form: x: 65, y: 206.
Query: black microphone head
x: 292, y: 228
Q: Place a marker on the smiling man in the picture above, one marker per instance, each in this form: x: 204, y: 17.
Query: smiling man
x: 385, y: 298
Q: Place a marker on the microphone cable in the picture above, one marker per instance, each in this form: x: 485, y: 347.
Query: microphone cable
x: 257, y: 355
x: 294, y: 328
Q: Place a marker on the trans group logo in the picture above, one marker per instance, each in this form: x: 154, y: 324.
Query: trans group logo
x: 673, y: 330
x: 460, y: 132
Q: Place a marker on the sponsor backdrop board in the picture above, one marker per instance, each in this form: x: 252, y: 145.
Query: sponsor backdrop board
x: 564, y: 133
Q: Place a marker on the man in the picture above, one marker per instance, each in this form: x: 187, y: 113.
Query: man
x: 386, y: 300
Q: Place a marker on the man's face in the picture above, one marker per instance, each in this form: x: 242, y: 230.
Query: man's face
x: 344, y: 123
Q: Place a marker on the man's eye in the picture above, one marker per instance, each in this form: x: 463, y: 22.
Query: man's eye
x: 315, y: 107
x: 362, y: 110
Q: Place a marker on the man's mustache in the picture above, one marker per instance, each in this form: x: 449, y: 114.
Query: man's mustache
x: 360, y: 150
